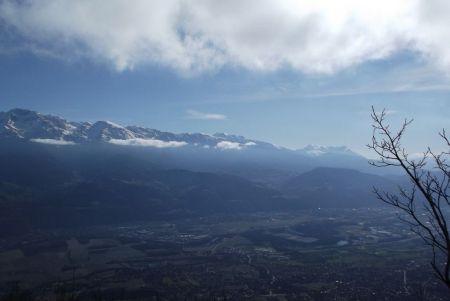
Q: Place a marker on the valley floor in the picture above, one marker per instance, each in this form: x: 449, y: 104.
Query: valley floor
x: 328, y: 254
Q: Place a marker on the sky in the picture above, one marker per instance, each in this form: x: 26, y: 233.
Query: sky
x: 288, y: 72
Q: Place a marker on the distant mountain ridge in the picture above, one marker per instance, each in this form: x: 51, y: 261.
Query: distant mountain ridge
x: 327, y: 186
x: 37, y: 127
x: 102, y: 177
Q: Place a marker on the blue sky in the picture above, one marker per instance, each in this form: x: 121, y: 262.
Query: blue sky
x: 191, y: 76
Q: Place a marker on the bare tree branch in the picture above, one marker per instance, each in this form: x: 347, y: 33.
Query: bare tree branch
x: 426, y: 204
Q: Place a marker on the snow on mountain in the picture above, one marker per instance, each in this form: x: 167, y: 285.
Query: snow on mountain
x: 233, y: 138
x: 30, y: 125
x: 242, y: 142
x: 40, y: 128
x: 106, y: 130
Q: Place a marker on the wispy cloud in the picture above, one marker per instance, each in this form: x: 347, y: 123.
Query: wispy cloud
x: 193, y: 114
x: 309, y: 36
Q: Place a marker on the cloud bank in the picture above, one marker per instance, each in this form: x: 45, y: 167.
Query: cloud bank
x: 202, y: 35
x: 148, y: 142
x: 229, y: 145
x: 193, y: 114
x: 52, y: 141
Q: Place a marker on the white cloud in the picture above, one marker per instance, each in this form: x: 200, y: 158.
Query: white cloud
x: 148, y: 142
x: 192, y: 114
x: 52, y: 141
x: 197, y: 35
x: 227, y: 145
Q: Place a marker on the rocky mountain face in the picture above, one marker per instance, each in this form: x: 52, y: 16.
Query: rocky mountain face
x: 37, y: 127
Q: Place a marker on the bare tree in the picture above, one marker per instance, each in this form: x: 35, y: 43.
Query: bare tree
x: 425, y: 206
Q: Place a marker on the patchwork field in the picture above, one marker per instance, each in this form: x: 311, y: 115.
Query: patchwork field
x: 364, y: 254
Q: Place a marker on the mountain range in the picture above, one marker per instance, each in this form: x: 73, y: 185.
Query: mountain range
x: 58, y: 173
x: 232, y: 150
x: 41, y: 128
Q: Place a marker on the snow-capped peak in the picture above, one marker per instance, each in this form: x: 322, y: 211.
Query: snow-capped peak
x: 29, y: 124
x: 107, y: 130
x: 33, y: 126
